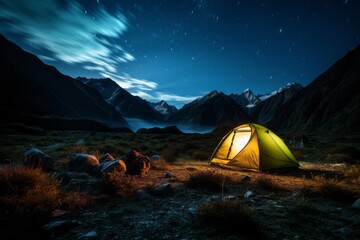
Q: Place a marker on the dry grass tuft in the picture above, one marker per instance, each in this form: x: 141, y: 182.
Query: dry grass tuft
x: 269, y: 183
x: 160, y: 164
x: 27, y: 198
x: 75, y: 201
x: 207, y: 180
x: 121, y: 184
x: 27, y: 190
x: 352, y: 174
x: 230, y: 217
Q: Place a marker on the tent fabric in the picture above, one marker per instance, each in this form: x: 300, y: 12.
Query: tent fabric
x: 253, y: 146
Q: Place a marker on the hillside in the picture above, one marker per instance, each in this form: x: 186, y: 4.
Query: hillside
x: 328, y: 105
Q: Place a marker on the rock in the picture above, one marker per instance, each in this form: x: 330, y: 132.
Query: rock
x: 111, y: 166
x: 248, y: 194
x: 35, y: 158
x: 245, y: 178
x: 106, y: 158
x: 229, y: 197
x: 80, y: 162
x: 167, y: 175
x: 61, y: 227
x: 91, y: 234
x: 192, y: 210
x: 162, y: 188
x: 66, y: 177
x: 92, y: 185
x: 155, y: 157
x: 136, y: 163
x: 5, y: 161
x: 346, y: 231
x: 356, y: 204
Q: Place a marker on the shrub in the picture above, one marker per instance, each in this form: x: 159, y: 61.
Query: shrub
x: 200, y: 155
x: 337, y: 191
x: 353, y: 174
x: 345, y: 154
x: 169, y: 154
x: 229, y: 217
x: 208, y: 180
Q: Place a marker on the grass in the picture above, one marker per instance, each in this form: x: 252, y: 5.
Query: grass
x: 207, y: 180
x: 232, y: 217
x: 24, y: 189
x: 169, y: 154
x: 120, y: 184
x: 270, y: 183
x: 27, y: 197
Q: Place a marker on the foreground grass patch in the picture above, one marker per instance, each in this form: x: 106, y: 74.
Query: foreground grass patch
x: 207, y: 180
x: 230, y: 217
x: 27, y: 197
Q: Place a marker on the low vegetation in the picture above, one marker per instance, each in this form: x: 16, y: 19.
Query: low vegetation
x: 207, y: 180
x: 179, y: 190
x: 230, y: 217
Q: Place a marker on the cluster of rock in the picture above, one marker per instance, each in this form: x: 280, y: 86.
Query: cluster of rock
x: 133, y: 163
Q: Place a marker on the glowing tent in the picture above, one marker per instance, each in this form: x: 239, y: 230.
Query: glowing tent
x: 253, y: 146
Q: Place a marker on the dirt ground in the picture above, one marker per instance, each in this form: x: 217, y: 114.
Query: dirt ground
x: 290, y: 204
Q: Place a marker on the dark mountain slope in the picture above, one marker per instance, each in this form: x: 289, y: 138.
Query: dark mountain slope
x: 264, y: 111
x: 29, y: 86
x: 133, y: 106
x: 105, y: 86
x: 329, y: 105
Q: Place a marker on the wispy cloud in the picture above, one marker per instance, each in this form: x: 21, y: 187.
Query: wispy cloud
x: 68, y: 31
x: 71, y: 34
x: 127, y: 82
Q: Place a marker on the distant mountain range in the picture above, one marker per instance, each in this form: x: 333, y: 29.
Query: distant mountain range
x: 35, y: 93
x: 213, y: 109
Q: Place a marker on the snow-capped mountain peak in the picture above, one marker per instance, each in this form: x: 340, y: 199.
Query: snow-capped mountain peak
x: 163, y: 107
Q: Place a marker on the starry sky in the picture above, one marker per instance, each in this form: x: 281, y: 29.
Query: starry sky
x: 178, y: 50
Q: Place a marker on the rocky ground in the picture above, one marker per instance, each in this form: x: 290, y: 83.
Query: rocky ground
x: 316, y: 201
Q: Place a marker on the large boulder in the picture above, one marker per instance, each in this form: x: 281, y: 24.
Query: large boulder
x: 136, y: 163
x: 35, y: 158
x: 80, y: 162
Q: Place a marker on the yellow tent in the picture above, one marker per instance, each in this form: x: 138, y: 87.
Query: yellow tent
x: 253, y: 146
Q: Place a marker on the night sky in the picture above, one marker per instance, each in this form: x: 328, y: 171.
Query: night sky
x: 178, y: 50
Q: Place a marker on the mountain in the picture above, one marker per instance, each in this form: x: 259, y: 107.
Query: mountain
x: 246, y: 99
x: 133, y: 106
x: 266, y: 108
x: 293, y: 87
x: 328, y: 105
x: 163, y: 107
x: 213, y: 109
x: 105, y: 86
x: 31, y: 89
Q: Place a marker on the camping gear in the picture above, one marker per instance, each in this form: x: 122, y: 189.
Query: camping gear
x: 253, y: 146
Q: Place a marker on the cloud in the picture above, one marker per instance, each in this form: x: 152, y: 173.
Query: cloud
x: 158, y: 96
x: 68, y: 31
x: 127, y: 82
